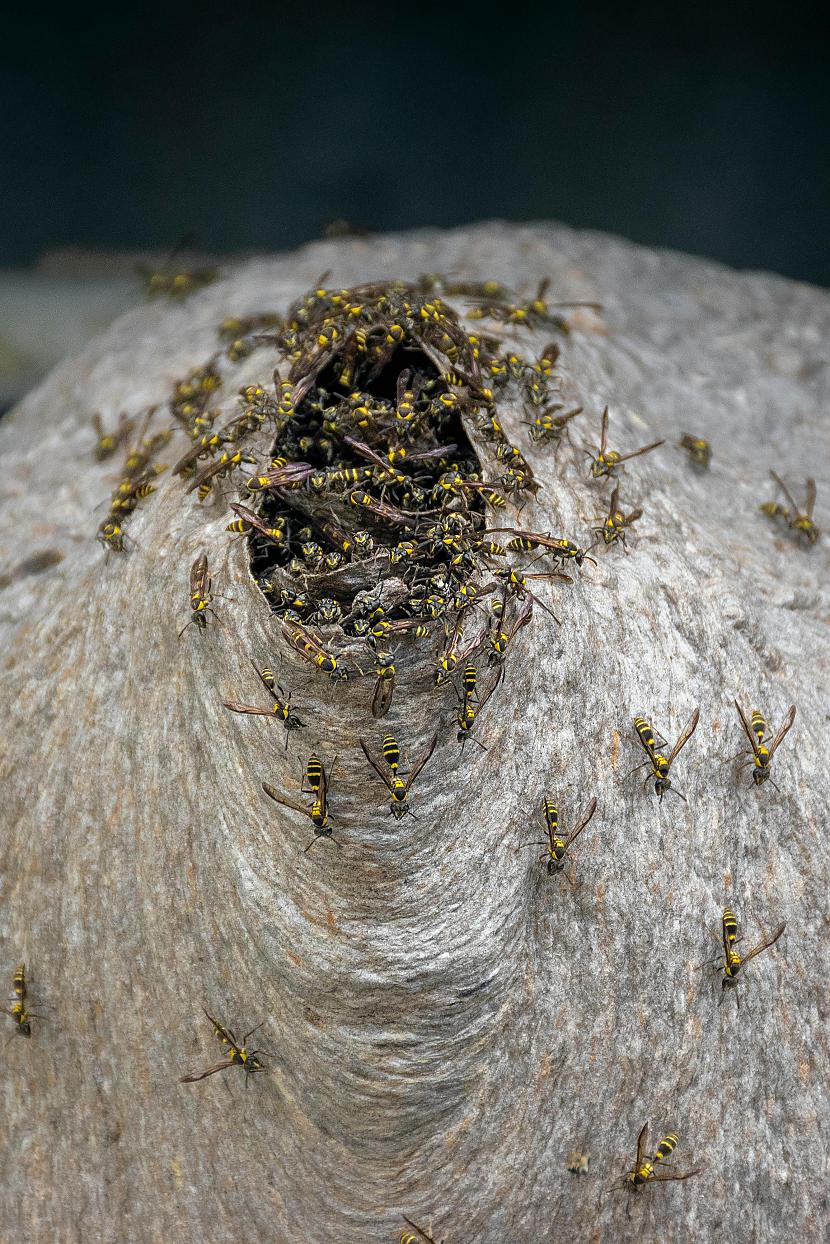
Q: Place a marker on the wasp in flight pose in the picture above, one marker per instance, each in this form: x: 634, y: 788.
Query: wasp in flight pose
x: 200, y: 595
x: 315, y: 782
x: 17, y: 1010
x: 395, y: 784
x: 799, y: 522
x: 733, y: 961
x: 614, y: 525
x: 646, y: 1171
x: 762, y: 755
x: 607, y: 460
x: 660, y: 764
x: 557, y: 846
x: 280, y: 709
x: 238, y: 1055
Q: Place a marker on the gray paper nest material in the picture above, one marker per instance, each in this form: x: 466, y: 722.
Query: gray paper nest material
x: 448, y: 1024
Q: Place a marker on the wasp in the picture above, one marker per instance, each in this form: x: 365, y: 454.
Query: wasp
x: 801, y: 523
x: 315, y: 782
x: 238, y: 1055
x: 408, y: 1238
x: 577, y: 1162
x: 200, y: 595
x: 382, y: 510
x: 17, y: 1011
x: 614, y: 525
x: 111, y: 535
x: 756, y: 732
x: 557, y: 846
x: 457, y: 649
x: 172, y: 283
x: 469, y: 706
x: 249, y: 521
x: 646, y: 1171
x: 607, y: 460
x: 550, y: 426
x: 385, y: 684
x: 108, y: 442
x: 660, y: 764
x: 285, y: 475
x: 515, y: 584
x: 499, y: 639
x: 564, y: 550
x: 395, y: 784
x: 733, y: 961
x: 699, y: 450
x: 205, y: 447
x: 281, y: 708
x: 310, y: 647
x: 223, y: 465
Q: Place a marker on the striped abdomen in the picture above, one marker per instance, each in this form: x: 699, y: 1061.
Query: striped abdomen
x: 391, y: 752
x: 19, y: 982
x: 666, y: 1147
x: 314, y: 772
x: 730, y: 927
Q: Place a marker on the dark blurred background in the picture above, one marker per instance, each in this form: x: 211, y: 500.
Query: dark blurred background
x: 252, y: 126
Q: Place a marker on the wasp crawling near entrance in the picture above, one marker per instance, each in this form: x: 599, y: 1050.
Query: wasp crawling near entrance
x: 17, y: 1010
x: 469, y: 706
x: 315, y: 782
x: 200, y: 595
x: 280, y: 709
x: 660, y: 764
x: 699, y: 450
x: 647, y: 1171
x: 395, y: 784
x: 557, y: 846
x: 733, y: 961
x: 756, y: 732
x: 607, y: 460
x: 311, y: 648
x: 408, y: 1238
x: 799, y: 522
x: 614, y: 525
x: 238, y: 1055
x: 247, y: 521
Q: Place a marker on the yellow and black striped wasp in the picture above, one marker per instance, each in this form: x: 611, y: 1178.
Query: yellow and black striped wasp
x: 699, y: 450
x: 107, y: 442
x: 499, y: 638
x: 395, y: 784
x: 470, y: 706
x: 607, y: 460
x: 733, y: 962
x: 456, y: 649
x: 286, y: 475
x: 17, y: 1010
x: 660, y: 764
x: 238, y: 1055
x: 614, y: 524
x: 247, y: 521
x: 280, y: 709
x: 311, y: 648
x: 200, y: 596
x: 550, y: 425
x: 557, y: 547
x: 408, y: 1238
x: 557, y: 847
x: 756, y: 730
x: 799, y: 522
x: 173, y: 281
x: 315, y: 782
x: 647, y: 1171
x: 384, y: 684
x: 220, y: 467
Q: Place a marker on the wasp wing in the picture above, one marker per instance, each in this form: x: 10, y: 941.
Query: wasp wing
x: 641, y: 1146
x: 665, y: 1176
x: 387, y: 782
x: 685, y: 736
x: 202, y: 1075
x: 382, y: 696
x: 753, y: 742
x: 577, y: 829
x: 198, y: 575
x: 419, y: 766
x: 251, y: 709
x: 635, y: 453
x: 278, y: 798
x: 786, y: 725
x: 765, y: 943
x: 779, y: 481
x: 811, y: 498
